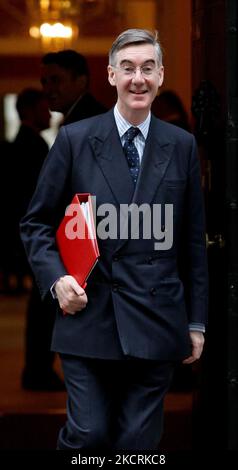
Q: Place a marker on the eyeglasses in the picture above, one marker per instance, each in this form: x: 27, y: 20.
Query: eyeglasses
x: 130, y: 70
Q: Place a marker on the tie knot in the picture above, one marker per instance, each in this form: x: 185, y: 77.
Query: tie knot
x: 131, y: 133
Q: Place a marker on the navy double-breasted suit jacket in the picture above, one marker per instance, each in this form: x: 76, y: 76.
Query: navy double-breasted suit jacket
x: 140, y: 300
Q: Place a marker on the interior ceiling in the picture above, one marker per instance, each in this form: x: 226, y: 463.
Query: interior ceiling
x: 93, y: 17
x: 15, y: 19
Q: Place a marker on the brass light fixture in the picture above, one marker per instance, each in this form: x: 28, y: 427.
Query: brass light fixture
x: 54, y: 22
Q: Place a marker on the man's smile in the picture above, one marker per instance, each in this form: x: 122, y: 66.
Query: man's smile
x: 138, y: 92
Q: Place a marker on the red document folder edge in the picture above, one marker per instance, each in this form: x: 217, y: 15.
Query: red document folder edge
x: 79, y: 252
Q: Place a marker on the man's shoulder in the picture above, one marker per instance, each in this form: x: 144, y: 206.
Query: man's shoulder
x: 172, y: 131
x: 86, y: 107
x: 90, y: 101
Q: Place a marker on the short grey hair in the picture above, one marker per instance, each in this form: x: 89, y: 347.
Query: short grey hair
x: 135, y: 36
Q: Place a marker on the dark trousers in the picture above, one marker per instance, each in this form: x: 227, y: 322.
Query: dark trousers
x: 114, y: 404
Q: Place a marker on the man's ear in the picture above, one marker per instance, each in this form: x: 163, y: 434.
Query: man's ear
x: 111, y: 75
x: 161, y: 75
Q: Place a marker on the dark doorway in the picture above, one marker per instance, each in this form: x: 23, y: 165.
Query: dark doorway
x: 214, y: 53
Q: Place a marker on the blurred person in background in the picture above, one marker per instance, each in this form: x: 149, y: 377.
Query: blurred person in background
x: 65, y: 81
x: 169, y: 107
x: 29, y: 151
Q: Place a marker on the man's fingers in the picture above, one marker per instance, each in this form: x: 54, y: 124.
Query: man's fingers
x: 76, y: 287
x: 189, y: 360
x: 73, y: 303
x: 70, y: 295
x: 68, y: 283
x: 197, y: 342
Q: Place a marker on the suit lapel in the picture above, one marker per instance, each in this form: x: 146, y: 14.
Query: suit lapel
x: 108, y: 151
x: 157, y: 155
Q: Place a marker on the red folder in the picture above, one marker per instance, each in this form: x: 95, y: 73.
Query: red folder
x: 76, y: 238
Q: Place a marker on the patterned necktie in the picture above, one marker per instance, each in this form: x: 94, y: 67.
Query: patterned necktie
x: 131, y: 152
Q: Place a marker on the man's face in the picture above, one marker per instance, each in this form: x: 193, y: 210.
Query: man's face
x: 61, y: 87
x: 136, y: 86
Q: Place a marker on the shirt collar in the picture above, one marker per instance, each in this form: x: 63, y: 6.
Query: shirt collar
x: 123, y: 125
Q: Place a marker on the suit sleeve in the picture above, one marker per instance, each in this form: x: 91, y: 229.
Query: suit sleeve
x: 195, y: 241
x: 38, y: 226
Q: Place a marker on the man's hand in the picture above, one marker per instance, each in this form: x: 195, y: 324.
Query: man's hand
x: 197, y: 342
x: 71, y: 296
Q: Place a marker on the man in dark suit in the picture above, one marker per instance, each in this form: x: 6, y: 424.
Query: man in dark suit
x: 65, y: 80
x: 144, y: 308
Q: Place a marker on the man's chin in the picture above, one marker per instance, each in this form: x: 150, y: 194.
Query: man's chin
x: 53, y: 106
x: 140, y: 104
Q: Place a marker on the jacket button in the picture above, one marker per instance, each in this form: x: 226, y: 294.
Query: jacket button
x: 115, y: 287
x: 150, y: 260
x: 153, y: 291
x: 115, y: 258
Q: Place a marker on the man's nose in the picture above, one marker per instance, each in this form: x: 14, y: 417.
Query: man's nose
x: 138, y: 75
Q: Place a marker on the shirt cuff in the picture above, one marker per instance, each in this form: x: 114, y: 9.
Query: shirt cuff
x: 197, y: 327
x: 52, y: 290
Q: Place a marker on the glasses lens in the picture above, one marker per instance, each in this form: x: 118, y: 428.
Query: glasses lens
x: 130, y: 70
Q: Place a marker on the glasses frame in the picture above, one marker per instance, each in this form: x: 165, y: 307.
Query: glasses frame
x: 131, y: 73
